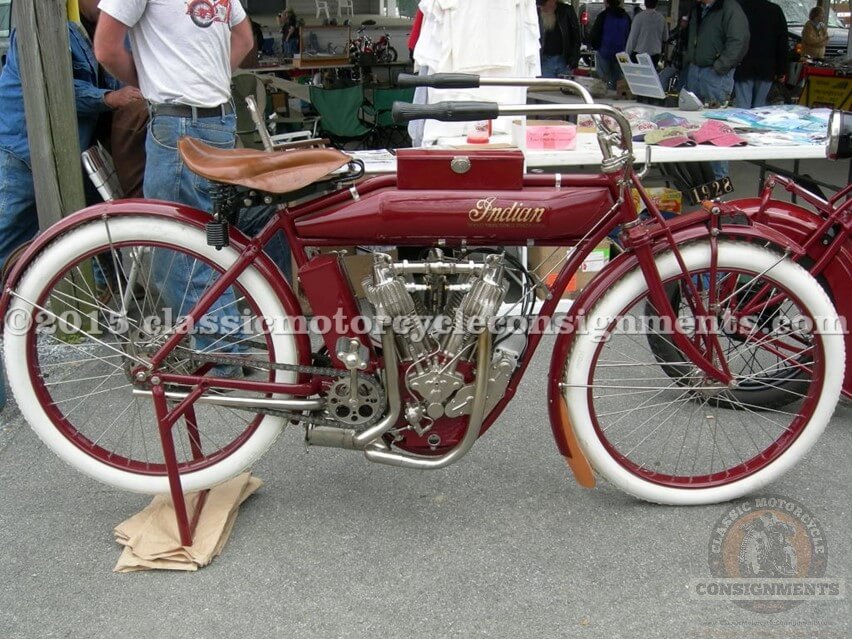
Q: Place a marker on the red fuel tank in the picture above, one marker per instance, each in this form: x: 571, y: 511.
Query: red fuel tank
x: 544, y: 214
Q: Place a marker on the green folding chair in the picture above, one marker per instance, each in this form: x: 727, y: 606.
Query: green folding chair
x: 342, y: 114
x: 389, y: 134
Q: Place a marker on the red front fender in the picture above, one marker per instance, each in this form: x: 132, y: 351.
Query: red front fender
x: 156, y: 208
x: 685, y: 229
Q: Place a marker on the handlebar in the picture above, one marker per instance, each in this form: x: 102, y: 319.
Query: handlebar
x: 471, y: 111
x: 473, y: 81
x: 445, y: 111
x: 439, y: 80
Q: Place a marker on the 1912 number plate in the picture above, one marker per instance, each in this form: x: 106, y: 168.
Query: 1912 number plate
x: 711, y: 190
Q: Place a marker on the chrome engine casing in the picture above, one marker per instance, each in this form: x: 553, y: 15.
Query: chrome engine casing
x: 469, y: 295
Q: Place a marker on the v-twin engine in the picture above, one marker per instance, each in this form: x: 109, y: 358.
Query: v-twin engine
x: 438, y: 307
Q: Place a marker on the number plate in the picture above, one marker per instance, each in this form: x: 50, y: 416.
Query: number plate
x: 711, y: 190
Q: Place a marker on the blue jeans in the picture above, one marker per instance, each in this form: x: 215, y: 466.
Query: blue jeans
x: 252, y: 221
x: 749, y: 94
x: 608, y: 70
x: 711, y: 87
x: 181, y: 279
x: 553, y: 65
x: 18, y: 214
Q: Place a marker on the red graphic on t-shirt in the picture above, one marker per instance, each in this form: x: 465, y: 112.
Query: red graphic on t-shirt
x: 206, y: 12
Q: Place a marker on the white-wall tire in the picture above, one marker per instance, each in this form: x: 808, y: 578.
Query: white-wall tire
x: 733, y: 255
x: 19, y: 356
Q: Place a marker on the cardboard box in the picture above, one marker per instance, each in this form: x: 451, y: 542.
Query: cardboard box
x: 549, y: 260
x: 665, y: 199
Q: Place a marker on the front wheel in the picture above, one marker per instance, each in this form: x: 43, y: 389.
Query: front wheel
x: 93, y: 307
x: 689, y: 439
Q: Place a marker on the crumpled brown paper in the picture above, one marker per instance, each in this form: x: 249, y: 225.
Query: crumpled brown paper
x: 151, y: 539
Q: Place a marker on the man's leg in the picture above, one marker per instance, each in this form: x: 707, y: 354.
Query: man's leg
x: 761, y: 92
x: 744, y: 94
x: 602, y: 69
x: 550, y: 65
x: 18, y: 214
x: 693, y: 80
x: 252, y: 221
x: 181, y: 279
x: 717, y: 89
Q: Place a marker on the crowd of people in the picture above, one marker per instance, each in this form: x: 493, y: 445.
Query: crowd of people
x: 724, y: 51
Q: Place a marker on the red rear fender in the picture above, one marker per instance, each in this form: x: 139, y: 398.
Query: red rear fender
x: 158, y: 209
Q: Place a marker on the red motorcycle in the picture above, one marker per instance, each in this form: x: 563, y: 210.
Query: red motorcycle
x: 151, y: 392
x: 385, y: 53
x: 820, y: 238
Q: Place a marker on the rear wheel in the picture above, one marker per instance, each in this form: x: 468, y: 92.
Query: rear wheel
x: 93, y: 307
x: 684, y: 438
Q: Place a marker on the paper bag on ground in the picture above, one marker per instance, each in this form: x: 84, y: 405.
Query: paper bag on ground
x: 151, y: 539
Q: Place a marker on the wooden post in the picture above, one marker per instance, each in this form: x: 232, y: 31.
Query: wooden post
x: 44, y: 60
x: 45, y: 63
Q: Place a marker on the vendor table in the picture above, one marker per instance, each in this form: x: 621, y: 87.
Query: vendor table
x: 587, y: 151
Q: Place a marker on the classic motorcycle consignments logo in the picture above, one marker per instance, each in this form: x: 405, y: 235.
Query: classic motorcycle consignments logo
x: 768, y: 554
x: 517, y: 214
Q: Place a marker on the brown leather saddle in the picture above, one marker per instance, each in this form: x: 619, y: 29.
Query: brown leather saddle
x: 271, y: 172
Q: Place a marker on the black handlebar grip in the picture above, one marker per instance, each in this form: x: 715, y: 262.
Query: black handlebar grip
x: 444, y: 111
x: 440, y: 80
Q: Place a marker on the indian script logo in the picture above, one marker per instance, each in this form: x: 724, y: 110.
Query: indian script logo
x: 486, y: 213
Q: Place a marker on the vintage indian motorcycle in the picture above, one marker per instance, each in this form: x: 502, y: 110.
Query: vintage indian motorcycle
x: 137, y: 379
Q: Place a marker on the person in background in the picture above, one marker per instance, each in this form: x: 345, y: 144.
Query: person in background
x: 94, y: 94
x: 183, y: 65
x: 648, y: 33
x: 673, y: 75
x: 815, y: 35
x: 717, y: 40
x: 289, y: 33
x: 766, y: 57
x: 609, y: 37
x: 559, y: 34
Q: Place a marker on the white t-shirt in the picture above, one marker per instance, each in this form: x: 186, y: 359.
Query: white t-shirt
x: 182, y: 48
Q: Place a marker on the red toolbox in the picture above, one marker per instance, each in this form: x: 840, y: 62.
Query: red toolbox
x: 462, y: 169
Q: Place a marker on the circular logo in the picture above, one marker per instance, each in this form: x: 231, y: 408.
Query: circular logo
x: 202, y: 13
x: 768, y: 555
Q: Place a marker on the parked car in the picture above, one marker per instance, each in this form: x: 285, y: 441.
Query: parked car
x: 796, y: 12
x: 5, y: 28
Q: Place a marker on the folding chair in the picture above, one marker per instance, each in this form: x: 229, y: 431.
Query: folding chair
x: 347, y: 5
x: 342, y: 114
x: 388, y: 134
x: 281, y: 141
x: 322, y: 5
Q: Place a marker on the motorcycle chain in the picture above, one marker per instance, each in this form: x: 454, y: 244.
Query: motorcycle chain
x: 239, y: 360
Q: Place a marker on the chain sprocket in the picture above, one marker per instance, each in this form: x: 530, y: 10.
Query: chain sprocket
x: 377, y: 389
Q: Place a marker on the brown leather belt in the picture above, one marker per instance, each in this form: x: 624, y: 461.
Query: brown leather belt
x: 186, y: 111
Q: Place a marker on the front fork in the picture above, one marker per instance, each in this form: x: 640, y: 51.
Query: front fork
x: 711, y: 360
